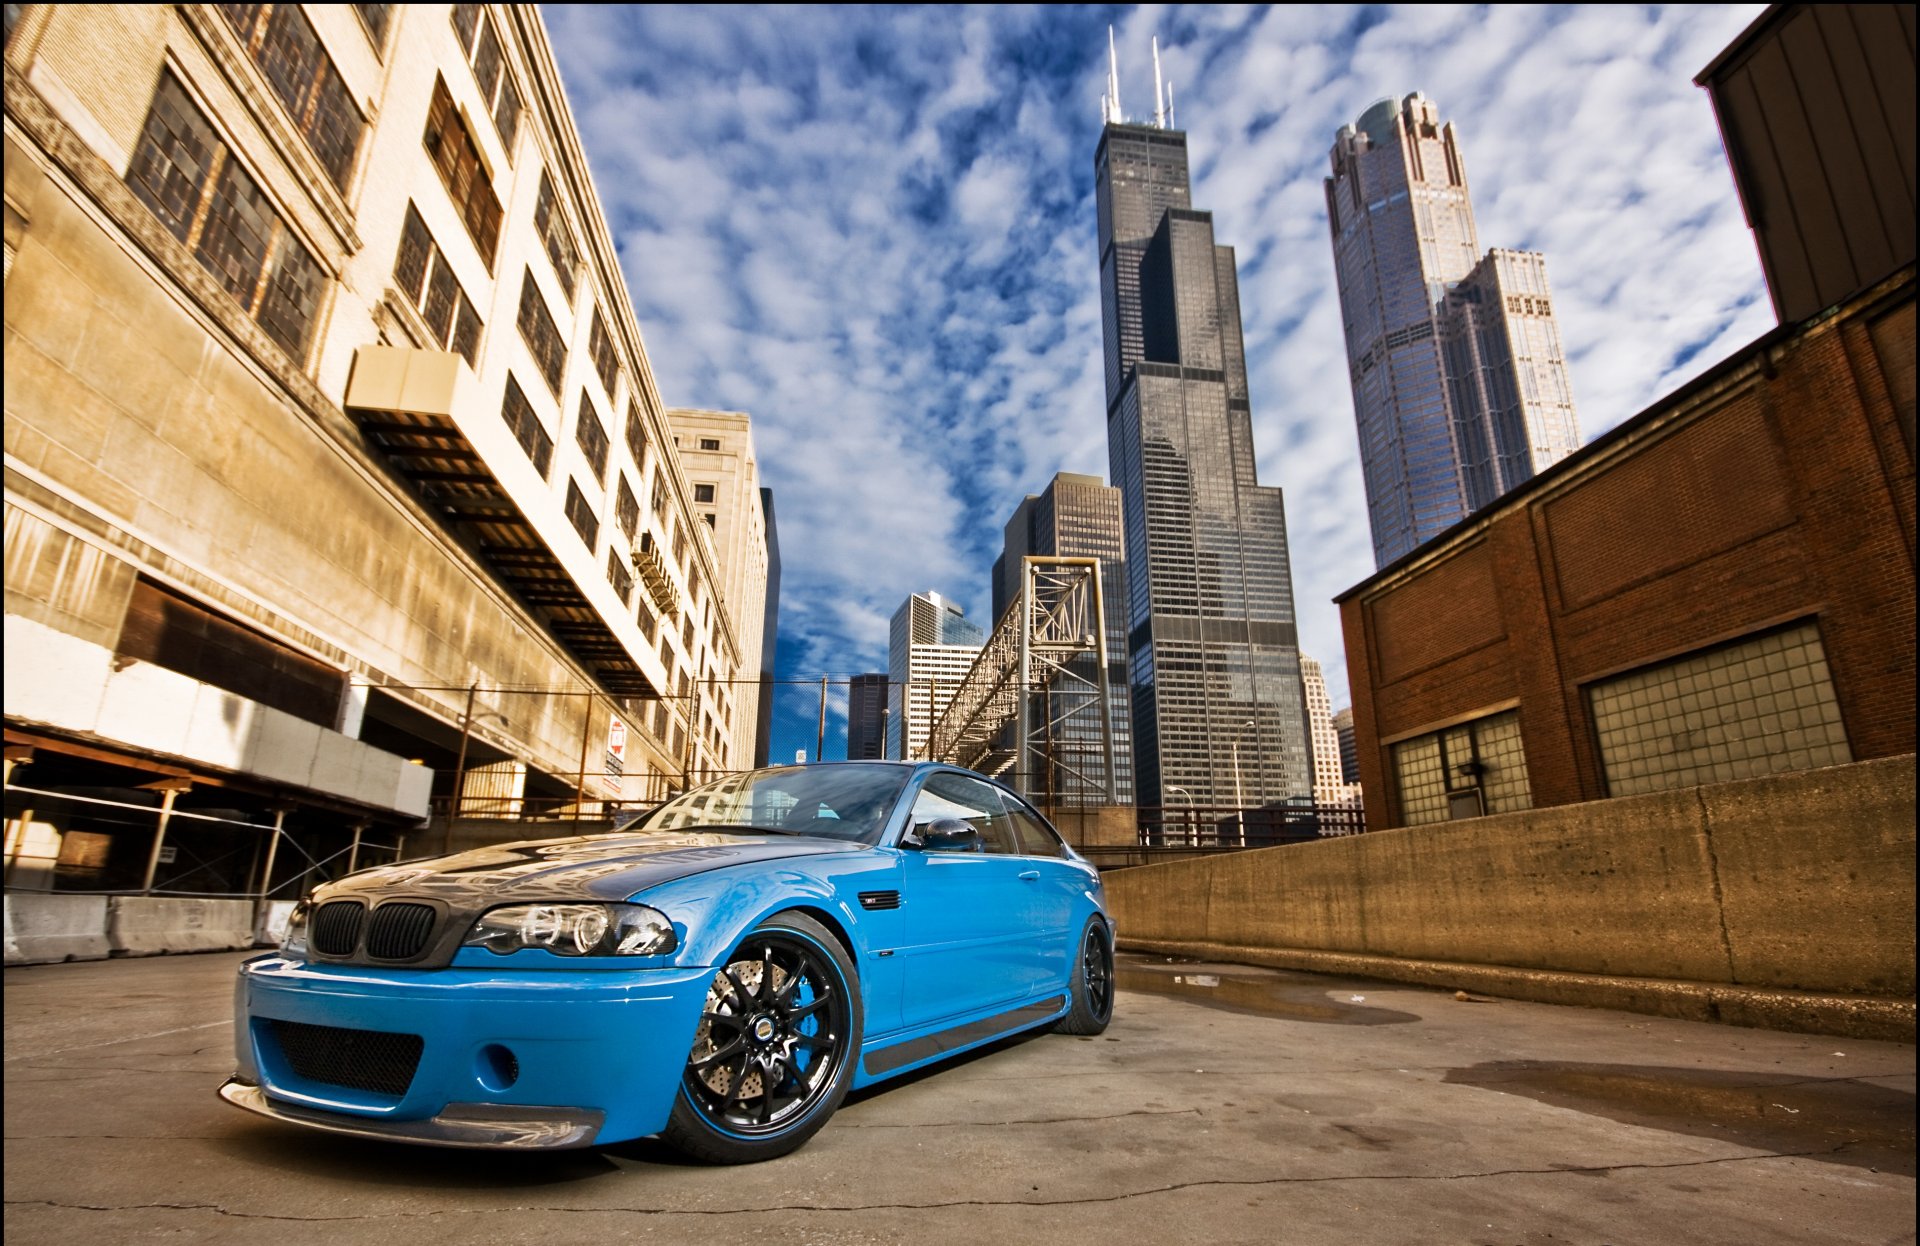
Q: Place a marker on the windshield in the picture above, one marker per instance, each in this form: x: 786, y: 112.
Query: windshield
x: 848, y: 802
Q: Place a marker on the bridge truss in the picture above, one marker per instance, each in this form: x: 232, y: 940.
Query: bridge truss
x: 1035, y: 710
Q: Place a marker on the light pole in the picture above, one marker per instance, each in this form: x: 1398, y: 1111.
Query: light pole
x: 1192, y: 821
x: 1239, y: 801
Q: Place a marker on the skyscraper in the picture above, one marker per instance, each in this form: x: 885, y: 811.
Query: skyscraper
x: 1213, y: 659
x: 1078, y: 517
x: 931, y: 645
x: 1330, y: 785
x: 867, y: 707
x: 1460, y: 386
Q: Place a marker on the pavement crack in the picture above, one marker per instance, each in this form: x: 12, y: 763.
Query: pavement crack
x: 1039, y: 1120
x: 1174, y: 1188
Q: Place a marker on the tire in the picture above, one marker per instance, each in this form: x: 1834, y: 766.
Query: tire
x: 1092, y: 984
x: 786, y: 1006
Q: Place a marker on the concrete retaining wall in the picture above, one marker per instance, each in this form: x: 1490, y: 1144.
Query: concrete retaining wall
x: 1801, y: 883
x: 46, y: 929
x: 149, y: 925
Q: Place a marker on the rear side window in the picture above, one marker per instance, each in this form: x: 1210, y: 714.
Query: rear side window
x: 1032, y: 835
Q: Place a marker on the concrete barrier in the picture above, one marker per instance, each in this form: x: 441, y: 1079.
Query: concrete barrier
x: 149, y: 925
x: 1799, y: 885
x: 45, y: 929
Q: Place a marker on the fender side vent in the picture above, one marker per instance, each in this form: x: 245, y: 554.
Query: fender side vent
x: 874, y: 900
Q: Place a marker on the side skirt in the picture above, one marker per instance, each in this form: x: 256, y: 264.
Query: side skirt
x: 890, y: 1060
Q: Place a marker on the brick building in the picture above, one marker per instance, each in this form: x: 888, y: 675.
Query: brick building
x: 1722, y: 586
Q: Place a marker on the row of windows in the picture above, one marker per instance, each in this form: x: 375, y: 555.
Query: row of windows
x: 483, y: 51
x: 425, y: 277
x: 183, y: 170
x: 282, y: 42
x: 456, y: 157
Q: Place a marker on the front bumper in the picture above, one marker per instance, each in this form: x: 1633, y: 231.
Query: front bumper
x: 507, y: 1058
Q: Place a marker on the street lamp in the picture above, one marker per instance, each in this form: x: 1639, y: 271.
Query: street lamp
x: 1239, y: 800
x: 1192, y: 817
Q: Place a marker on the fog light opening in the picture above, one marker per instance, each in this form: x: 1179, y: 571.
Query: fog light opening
x: 496, y: 1067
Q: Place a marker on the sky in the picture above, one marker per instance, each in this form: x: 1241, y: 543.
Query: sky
x: 873, y: 230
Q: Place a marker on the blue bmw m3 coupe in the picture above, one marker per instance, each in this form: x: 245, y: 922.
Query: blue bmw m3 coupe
x: 720, y: 972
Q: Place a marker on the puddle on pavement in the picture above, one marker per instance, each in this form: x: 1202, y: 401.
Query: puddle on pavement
x: 1268, y: 995
x: 1856, y: 1123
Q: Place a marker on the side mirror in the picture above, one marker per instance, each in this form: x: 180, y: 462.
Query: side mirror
x: 945, y: 835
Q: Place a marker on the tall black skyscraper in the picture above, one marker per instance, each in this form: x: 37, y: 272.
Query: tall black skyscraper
x: 867, y: 709
x: 1213, y: 657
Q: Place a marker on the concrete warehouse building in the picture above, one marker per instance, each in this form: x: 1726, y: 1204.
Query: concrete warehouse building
x: 339, y: 491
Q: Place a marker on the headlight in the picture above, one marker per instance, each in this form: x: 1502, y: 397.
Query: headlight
x: 575, y: 930
x: 294, y: 942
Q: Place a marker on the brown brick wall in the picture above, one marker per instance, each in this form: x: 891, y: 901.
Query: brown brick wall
x: 1779, y: 487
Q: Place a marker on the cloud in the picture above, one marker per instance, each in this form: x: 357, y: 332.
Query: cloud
x: 873, y: 229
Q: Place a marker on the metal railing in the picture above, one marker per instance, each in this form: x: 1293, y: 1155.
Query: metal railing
x: 1221, y: 828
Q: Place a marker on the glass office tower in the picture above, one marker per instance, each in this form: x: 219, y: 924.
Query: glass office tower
x: 1213, y: 660
x: 1460, y: 386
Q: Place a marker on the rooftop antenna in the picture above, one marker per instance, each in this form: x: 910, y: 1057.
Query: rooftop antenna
x: 1171, y: 125
x: 1114, y: 115
x: 1159, y: 92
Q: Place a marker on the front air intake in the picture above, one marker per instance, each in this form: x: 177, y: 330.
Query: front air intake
x: 370, y: 1060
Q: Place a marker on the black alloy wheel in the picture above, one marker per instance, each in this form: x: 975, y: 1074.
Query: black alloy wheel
x: 773, y: 1054
x: 1092, y: 985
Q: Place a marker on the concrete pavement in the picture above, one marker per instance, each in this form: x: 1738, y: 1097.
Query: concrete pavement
x: 1225, y: 1104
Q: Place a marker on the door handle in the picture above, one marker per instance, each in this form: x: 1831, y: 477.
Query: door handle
x: 1030, y: 875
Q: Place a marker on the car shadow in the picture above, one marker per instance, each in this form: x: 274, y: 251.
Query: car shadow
x: 312, y: 1153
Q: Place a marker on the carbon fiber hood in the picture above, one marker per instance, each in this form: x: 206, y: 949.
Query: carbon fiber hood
x: 584, y: 867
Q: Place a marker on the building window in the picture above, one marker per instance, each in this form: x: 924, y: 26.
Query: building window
x: 619, y: 576
x: 648, y: 622
x: 551, y: 225
x: 626, y: 509
x: 376, y: 17
x: 580, y: 515
x: 680, y: 546
x: 427, y: 280
x: 542, y: 335
x: 703, y: 493
x: 520, y: 417
x: 489, y: 70
x: 709, y: 443
x: 184, y: 171
x: 636, y: 435
x: 283, y: 44
x: 1476, y: 768
x: 1753, y: 707
x: 591, y: 436
x: 600, y: 346
x: 457, y: 158
x: 659, y: 495
x: 712, y: 520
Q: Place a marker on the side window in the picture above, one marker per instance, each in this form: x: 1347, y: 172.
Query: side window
x: 1031, y: 833
x: 973, y: 802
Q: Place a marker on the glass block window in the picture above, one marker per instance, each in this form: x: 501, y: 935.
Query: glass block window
x: 377, y: 17
x: 580, y: 515
x: 542, y: 335
x: 636, y: 435
x: 1757, y: 706
x: 183, y: 171
x: 619, y: 576
x: 441, y: 302
x: 488, y: 59
x: 282, y: 42
x: 456, y: 157
x: 626, y: 509
x: 520, y: 417
x: 1465, y: 771
x: 551, y: 225
x: 606, y: 364
x: 591, y: 436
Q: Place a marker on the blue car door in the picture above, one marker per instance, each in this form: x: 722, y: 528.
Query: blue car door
x: 1054, y: 892
x: 963, y: 913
